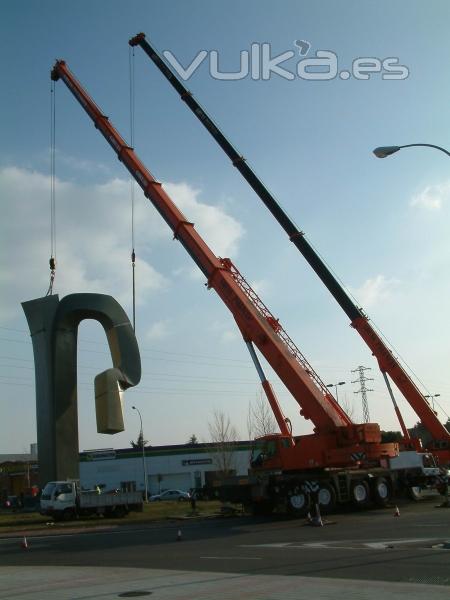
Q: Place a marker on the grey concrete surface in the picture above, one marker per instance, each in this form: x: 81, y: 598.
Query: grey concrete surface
x: 87, y: 583
x: 361, y: 555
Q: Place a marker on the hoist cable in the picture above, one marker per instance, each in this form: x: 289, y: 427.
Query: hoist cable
x: 52, y: 260
x: 133, y: 253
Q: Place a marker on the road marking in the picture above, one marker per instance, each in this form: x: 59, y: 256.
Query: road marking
x: 344, y: 544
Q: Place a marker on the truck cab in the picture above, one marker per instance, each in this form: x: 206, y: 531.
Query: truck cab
x: 58, y: 496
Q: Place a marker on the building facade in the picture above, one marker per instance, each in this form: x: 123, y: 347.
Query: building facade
x: 18, y: 475
x: 181, y: 467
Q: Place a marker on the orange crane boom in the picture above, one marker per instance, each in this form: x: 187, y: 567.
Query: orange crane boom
x: 336, y: 438
x: 359, y: 321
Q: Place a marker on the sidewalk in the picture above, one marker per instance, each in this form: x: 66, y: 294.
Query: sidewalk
x: 76, y: 583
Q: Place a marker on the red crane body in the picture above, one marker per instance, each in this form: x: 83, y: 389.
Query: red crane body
x: 336, y: 441
x: 386, y: 360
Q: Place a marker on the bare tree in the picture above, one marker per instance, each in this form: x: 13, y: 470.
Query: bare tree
x: 348, y: 407
x: 260, y: 419
x: 224, y: 435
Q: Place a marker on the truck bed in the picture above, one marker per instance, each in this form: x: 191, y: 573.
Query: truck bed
x: 92, y: 499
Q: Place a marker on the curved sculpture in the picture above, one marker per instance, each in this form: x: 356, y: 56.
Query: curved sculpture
x: 54, y: 330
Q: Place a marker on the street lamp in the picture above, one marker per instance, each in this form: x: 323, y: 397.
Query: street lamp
x: 143, y: 454
x: 335, y: 385
x: 432, y: 396
x: 384, y: 151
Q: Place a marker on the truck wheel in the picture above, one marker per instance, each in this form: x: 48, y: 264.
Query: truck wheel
x: 327, y: 498
x: 382, y: 491
x: 298, y: 504
x: 415, y: 492
x: 360, y: 493
x: 68, y: 514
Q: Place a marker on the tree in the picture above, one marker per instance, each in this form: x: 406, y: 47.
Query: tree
x: 139, y: 443
x: 260, y: 419
x: 224, y: 436
x: 192, y: 440
x: 348, y: 407
x: 391, y: 436
x: 421, y: 432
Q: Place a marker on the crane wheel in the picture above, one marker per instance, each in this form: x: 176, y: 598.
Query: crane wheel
x: 382, y: 491
x: 415, y: 493
x: 360, y: 493
x: 327, y: 498
x: 298, y: 504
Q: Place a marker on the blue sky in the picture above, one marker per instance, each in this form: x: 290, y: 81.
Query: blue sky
x: 382, y: 225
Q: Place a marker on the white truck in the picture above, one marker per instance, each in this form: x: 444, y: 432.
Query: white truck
x: 65, y: 500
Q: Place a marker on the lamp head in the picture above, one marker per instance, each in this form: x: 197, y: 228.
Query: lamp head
x: 383, y: 151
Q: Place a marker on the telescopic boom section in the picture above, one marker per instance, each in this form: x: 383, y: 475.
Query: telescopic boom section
x: 256, y: 326
x: 387, y: 362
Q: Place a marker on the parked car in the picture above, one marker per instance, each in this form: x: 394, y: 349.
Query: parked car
x: 170, y: 495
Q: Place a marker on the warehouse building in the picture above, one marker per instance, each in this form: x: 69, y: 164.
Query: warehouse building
x: 181, y: 467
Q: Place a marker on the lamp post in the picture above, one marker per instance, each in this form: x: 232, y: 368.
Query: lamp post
x: 432, y: 396
x: 335, y: 385
x: 143, y: 454
x: 384, y: 151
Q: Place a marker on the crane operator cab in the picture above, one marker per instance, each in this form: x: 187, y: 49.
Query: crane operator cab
x: 267, y: 450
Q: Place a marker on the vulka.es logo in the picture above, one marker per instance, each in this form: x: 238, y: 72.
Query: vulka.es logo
x: 260, y: 64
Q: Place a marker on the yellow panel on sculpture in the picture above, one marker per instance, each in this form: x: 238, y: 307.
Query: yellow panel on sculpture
x: 108, y: 402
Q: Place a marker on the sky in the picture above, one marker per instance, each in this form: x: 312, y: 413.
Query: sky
x: 381, y: 225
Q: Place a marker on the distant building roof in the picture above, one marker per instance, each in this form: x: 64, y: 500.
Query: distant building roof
x: 16, y: 458
x: 160, y: 450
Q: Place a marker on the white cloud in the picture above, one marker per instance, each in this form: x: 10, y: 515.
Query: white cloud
x: 432, y: 197
x: 93, y: 243
x: 220, y: 231
x: 229, y: 335
x: 375, y: 290
x: 158, y: 330
x: 261, y: 286
x: 81, y: 164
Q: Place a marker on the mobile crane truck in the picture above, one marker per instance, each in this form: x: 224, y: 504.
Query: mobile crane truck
x: 388, y: 363
x: 343, y: 461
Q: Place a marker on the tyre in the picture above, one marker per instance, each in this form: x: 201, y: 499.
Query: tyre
x: 415, y: 493
x: 327, y: 498
x: 382, y: 491
x: 119, y: 512
x: 360, y: 493
x: 298, y: 504
x: 68, y: 514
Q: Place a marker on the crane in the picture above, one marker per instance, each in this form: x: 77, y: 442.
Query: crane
x: 388, y: 363
x: 336, y: 441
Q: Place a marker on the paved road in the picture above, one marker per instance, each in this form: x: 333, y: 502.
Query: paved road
x: 371, y: 546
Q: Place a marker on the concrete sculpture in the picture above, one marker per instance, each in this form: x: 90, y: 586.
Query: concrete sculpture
x: 54, y: 327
